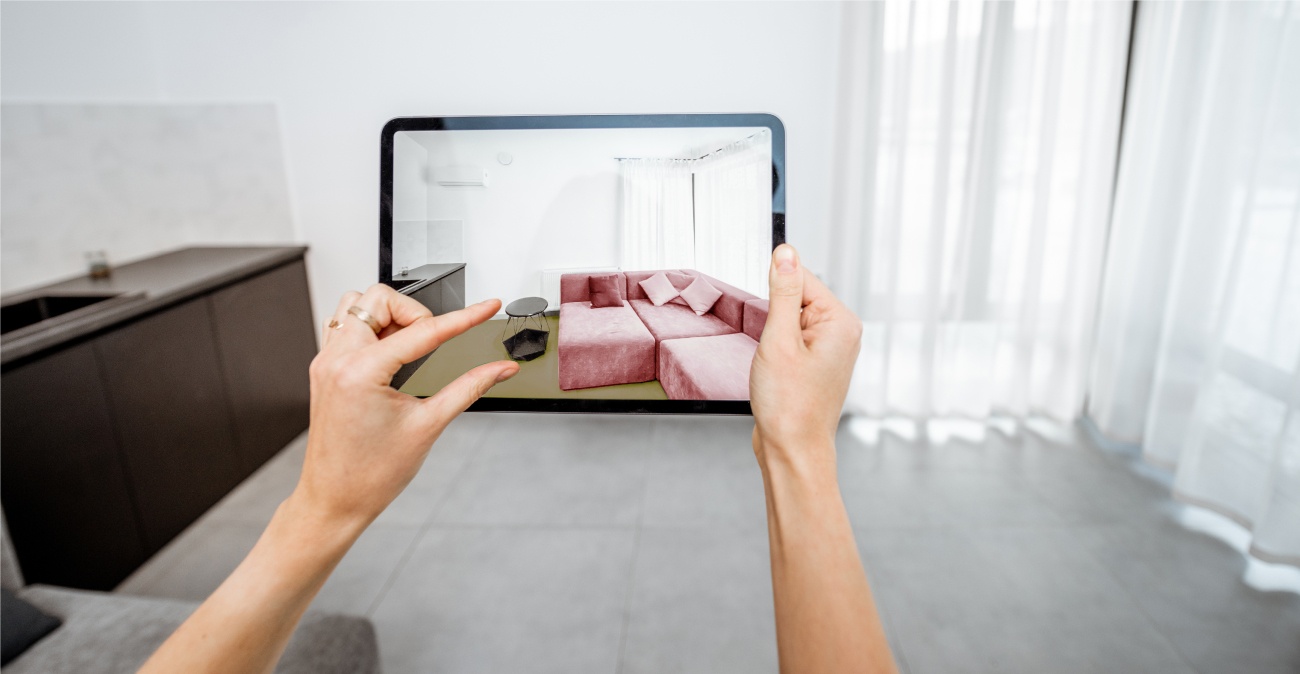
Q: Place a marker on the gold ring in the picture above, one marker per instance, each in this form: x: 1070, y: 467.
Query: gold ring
x: 365, y: 317
x: 334, y: 324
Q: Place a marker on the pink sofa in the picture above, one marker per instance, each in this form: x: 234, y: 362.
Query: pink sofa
x: 693, y: 357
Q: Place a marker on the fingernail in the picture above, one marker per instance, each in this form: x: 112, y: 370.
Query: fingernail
x: 504, y: 375
x: 786, y: 260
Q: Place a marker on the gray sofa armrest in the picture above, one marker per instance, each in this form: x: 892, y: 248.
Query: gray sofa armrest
x: 117, y: 633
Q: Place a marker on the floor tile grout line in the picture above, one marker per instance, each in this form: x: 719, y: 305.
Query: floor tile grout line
x: 423, y: 528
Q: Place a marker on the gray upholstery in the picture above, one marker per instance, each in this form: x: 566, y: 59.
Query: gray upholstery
x: 11, y: 576
x: 117, y: 633
x: 104, y: 632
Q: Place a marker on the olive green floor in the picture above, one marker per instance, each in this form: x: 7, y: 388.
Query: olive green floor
x: 538, y: 378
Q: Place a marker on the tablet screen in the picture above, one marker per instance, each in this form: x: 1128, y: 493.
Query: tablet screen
x: 630, y: 254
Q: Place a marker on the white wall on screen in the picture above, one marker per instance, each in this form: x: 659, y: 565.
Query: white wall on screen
x: 446, y: 241
x: 410, y: 171
x: 410, y: 244
x: 333, y: 101
x: 554, y: 207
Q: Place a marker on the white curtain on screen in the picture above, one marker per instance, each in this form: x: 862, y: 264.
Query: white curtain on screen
x: 1198, y: 352
x: 978, y: 149
x: 656, y: 221
x: 733, y: 213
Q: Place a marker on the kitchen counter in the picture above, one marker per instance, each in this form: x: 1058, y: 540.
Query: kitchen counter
x: 141, y: 287
x: 422, y: 276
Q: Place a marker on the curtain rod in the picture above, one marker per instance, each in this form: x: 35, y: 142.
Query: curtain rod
x: 703, y: 156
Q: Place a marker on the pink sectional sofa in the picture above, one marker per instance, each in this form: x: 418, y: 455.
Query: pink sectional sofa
x: 693, y: 357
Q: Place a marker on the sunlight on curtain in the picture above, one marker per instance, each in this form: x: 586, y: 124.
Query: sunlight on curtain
x: 733, y: 213
x: 657, y: 222
x: 971, y: 201
x: 1198, y: 351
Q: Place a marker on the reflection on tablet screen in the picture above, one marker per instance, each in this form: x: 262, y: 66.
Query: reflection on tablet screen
x: 631, y: 263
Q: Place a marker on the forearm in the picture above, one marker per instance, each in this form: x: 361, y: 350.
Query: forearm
x: 825, y: 615
x: 246, y: 623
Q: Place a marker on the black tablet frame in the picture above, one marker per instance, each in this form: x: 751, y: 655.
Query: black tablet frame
x: 770, y: 122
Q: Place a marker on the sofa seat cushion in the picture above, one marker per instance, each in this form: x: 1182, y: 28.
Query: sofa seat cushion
x: 603, y: 346
x: 707, y: 368
x: 116, y: 633
x: 674, y: 321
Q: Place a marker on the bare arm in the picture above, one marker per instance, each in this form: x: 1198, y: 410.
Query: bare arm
x: 365, y: 444
x: 826, y: 620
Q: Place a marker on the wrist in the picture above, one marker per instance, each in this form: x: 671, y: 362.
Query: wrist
x: 809, y: 461
x: 304, y: 516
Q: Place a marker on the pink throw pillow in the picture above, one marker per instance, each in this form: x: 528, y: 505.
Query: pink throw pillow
x: 701, y: 296
x: 603, y: 289
x: 659, y: 289
x: 680, y: 282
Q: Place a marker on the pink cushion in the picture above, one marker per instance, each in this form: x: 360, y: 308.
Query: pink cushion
x: 707, y: 368
x: 602, y: 347
x: 701, y: 296
x: 659, y: 289
x: 604, y: 291
x: 673, y: 321
x: 680, y: 281
x: 575, y: 287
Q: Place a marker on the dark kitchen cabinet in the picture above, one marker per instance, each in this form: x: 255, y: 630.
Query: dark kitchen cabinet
x: 65, y: 490
x: 444, y: 295
x: 118, y: 434
x: 266, y: 339
x: 165, y: 390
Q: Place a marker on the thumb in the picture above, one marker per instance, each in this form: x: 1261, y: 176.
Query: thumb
x: 785, y: 294
x: 457, y: 396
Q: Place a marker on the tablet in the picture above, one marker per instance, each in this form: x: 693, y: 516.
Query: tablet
x: 630, y: 253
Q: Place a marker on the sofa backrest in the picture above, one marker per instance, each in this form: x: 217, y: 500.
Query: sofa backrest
x: 755, y: 318
x: 731, y: 306
x: 634, y: 279
x: 573, y: 287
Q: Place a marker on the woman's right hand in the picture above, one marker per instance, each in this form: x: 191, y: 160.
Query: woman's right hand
x: 801, y: 371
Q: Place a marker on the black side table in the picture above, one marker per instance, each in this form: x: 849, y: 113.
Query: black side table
x: 526, y: 331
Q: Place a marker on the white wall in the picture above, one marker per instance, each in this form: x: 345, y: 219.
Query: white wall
x: 555, y: 206
x: 338, y: 71
x: 132, y: 181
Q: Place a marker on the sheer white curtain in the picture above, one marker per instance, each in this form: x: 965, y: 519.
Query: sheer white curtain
x: 1198, y: 351
x: 972, y: 196
x: 733, y: 213
x: 657, y: 222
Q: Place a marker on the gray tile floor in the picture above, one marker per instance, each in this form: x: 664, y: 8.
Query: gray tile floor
x: 535, y: 543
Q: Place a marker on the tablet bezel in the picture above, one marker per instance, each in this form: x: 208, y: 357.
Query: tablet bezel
x: 394, y: 126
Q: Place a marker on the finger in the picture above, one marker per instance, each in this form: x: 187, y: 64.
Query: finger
x: 785, y: 295
x: 457, y: 396
x: 380, y: 301
x: 405, y: 310
x: 349, y: 298
x: 815, y: 293
x: 427, y: 334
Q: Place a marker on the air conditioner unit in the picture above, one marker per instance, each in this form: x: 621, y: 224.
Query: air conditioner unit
x: 461, y: 176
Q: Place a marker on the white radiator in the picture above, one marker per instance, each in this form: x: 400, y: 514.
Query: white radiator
x: 551, y: 282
